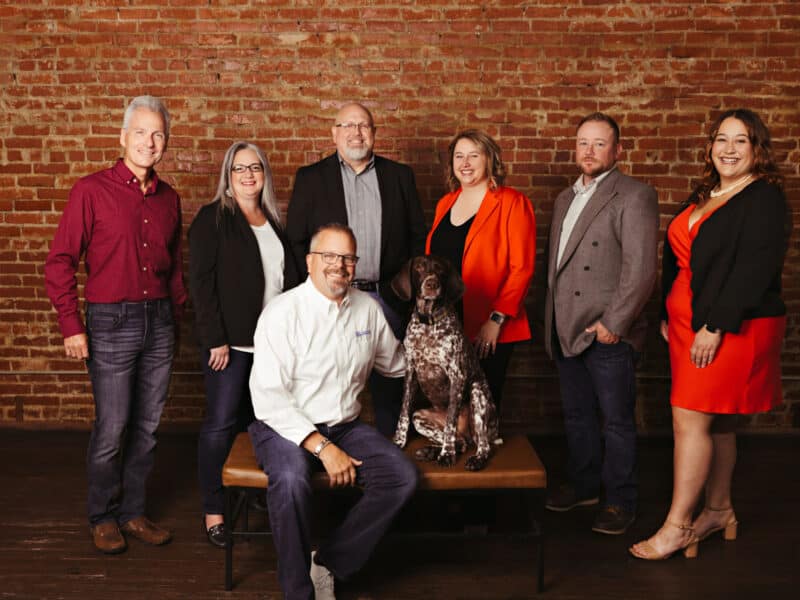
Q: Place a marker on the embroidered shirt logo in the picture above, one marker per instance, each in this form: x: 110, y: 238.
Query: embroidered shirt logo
x: 362, y: 332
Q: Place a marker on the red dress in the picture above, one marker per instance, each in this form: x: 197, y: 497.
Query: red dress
x: 745, y: 375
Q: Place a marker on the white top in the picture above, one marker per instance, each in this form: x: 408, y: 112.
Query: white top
x: 583, y: 193
x: 313, y: 357
x: 271, y: 251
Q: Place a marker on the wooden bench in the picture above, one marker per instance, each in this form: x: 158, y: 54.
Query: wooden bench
x: 514, y: 467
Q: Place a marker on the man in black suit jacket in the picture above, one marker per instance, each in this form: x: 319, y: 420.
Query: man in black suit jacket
x: 377, y: 198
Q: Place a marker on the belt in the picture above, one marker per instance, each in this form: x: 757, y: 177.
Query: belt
x: 364, y: 285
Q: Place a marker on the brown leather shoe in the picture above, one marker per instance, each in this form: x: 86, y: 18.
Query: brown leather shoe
x: 107, y: 538
x: 144, y: 529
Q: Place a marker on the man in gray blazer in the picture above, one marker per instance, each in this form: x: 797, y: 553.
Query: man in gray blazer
x: 601, y: 271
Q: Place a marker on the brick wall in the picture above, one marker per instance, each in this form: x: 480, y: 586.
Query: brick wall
x: 273, y: 71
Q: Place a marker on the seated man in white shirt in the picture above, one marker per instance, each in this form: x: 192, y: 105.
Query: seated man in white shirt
x: 315, y: 347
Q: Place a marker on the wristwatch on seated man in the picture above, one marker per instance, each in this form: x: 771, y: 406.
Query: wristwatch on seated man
x: 498, y: 317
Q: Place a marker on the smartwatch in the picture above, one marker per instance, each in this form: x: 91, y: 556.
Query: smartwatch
x: 497, y: 317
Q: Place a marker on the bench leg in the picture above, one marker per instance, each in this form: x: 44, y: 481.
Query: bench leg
x: 535, y: 502
x: 229, y: 525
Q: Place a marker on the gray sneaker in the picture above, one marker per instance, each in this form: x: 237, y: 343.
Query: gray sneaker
x: 613, y: 520
x: 322, y: 579
x: 564, y: 498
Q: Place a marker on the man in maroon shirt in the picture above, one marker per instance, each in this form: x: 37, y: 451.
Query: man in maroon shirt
x: 126, y: 223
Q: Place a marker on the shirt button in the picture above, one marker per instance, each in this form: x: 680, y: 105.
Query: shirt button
x: 145, y: 244
x: 145, y: 292
x: 144, y: 268
x: 146, y: 221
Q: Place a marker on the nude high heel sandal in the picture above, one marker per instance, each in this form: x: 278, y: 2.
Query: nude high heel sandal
x: 729, y: 529
x: 646, y: 551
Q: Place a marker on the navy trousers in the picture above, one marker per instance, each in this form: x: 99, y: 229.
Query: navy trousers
x: 228, y: 411
x: 387, y: 392
x: 387, y: 478
x: 598, y: 393
x: 130, y: 361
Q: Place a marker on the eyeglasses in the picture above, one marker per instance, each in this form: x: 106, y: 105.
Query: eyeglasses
x: 350, y: 127
x: 331, y: 258
x: 254, y: 168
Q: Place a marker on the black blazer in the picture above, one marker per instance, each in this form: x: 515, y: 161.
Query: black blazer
x: 226, y: 276
x: 737, y: 258
x: 318, y: 199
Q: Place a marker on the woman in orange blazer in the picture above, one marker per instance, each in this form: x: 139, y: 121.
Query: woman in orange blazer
x: 488, y: 232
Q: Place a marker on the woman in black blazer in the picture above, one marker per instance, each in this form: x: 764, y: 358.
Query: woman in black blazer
x: 239, y: 260
x: 724, y: 321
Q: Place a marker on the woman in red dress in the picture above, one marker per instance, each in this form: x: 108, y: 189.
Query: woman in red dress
x: 724, y: 324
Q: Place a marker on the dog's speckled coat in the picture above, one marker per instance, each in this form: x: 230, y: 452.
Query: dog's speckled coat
x: 443, y: 363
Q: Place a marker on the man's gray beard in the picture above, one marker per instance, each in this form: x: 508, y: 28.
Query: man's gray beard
x: 357, y: 153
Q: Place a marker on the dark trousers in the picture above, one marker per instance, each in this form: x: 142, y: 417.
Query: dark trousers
x: 387, y: 392
x: 387, y: 478
x: 130, y: 360
x: 494, y: 367
x: 601, y: 380
x: 228, y: 411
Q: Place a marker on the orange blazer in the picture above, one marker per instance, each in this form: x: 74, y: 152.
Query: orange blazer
x: 498, y: 260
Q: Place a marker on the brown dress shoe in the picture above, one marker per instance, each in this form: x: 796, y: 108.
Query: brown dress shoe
x: 144, y: 529
x: 107, y: 538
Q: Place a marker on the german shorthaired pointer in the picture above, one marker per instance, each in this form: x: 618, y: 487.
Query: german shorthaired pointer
x: 443, y: 362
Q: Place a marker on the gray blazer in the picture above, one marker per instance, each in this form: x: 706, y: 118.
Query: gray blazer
x: 609, y: 266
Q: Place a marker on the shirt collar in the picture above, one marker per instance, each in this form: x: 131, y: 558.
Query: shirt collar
x: 318, y: 301
x: 579, y: 188
x: 121, y: 170
x: 345, y: 165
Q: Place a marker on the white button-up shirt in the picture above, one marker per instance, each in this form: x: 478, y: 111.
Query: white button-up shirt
x: 313, y: 357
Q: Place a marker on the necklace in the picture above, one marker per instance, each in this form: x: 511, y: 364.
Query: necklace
x: 733, y: 186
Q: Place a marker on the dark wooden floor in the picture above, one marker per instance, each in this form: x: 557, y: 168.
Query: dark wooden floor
x: 45, y: 550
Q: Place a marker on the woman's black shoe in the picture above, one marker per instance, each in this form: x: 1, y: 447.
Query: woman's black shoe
x: 215, y: 533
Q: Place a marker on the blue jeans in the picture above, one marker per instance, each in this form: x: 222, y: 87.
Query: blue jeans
x: 387, y: 392
x: 228, y: 411
x: 387, y: 478
x: 601, y: 379
x: 130, y: 360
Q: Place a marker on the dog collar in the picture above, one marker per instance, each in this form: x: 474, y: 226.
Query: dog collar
x: 430, y: 318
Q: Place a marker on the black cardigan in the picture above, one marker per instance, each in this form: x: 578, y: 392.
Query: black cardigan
x: 737, y: 258
x: 226, y: 276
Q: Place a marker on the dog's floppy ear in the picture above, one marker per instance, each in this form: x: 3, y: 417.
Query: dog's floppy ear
x: 454, y: 288
x: 401, y: 283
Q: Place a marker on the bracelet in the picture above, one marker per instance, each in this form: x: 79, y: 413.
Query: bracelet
x: 320, y: 447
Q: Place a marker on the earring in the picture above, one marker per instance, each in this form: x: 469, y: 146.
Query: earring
x: 229, y: 193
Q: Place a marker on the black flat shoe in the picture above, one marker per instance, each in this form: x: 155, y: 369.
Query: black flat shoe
x: 215, y: 533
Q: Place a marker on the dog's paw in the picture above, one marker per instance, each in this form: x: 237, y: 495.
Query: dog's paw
x: 446, y: 459
x: 399, y: 440
x: 427, y: 453
x: 476, y: 463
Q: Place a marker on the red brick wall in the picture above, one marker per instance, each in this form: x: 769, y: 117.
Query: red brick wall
x: 273, y: 71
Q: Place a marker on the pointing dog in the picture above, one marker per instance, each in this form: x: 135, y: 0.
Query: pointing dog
x: 443, y: 363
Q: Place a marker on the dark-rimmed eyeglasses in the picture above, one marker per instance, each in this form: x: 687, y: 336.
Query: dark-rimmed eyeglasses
x: 331, y: 258
x: 352, y: 127
x: 254, y: 168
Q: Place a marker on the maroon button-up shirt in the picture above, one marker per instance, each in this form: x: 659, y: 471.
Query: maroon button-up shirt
x: 131, y: 242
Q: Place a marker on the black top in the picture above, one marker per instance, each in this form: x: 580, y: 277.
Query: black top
x: 448, y: 240
x: 226, y: 276
x: 737, y: 258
